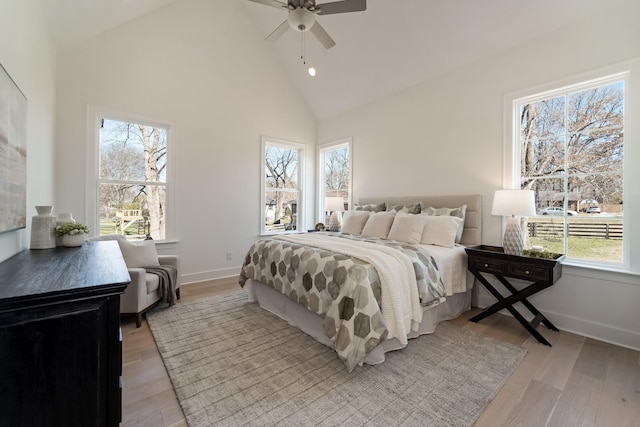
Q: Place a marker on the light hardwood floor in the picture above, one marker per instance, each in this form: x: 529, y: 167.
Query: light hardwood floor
x: 577, y: 382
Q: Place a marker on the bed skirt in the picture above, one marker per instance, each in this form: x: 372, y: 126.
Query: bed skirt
x: 311, y: 323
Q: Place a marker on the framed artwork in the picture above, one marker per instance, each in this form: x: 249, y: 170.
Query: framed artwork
x: 13, y: 155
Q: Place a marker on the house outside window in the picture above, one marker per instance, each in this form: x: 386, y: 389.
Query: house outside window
x: 282, y: 183
x: 334, y: 175
x: 132, y: 178
x: 569, y: 150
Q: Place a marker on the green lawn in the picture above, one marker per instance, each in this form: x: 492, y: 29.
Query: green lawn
x: 109, y: 227
x: 597, y: 249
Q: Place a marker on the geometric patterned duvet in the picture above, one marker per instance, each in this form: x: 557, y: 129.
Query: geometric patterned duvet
x: 344, y: 290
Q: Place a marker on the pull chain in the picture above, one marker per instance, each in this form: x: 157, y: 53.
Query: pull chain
x: 302, y: 48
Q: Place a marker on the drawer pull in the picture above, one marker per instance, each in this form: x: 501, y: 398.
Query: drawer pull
x: 486, y: 265
x: 527, y: 272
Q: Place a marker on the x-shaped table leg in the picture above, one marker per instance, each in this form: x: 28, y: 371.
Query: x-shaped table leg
x: 517, y: 296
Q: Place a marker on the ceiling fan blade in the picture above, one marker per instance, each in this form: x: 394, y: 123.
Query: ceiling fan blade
x: 322, y: 35
x: 282, y: 28
x: 341, y: 7
x: 272, y: 3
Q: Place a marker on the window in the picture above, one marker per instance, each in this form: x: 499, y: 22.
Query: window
x: 132, y: 179
x: 334, y: 170
x: 569, y: 150
x: 282, y: 183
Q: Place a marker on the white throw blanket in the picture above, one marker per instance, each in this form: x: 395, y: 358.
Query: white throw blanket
x: 399, y: 291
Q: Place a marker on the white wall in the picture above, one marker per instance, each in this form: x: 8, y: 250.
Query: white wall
x: 199, y: 65
x: 27, y: 53
x: 445, y: 136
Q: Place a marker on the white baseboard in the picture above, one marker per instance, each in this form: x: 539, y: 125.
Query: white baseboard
x: 597, y: 331
x: 586, y: 328
x: 203, y: 276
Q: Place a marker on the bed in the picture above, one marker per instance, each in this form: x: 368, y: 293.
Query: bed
x: 342, y: 287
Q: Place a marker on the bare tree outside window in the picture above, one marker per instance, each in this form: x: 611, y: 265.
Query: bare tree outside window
x: 337, y: 172
x: 132, y: 179
x: 571, y: 156
x: 334, y: 174
x: 282, y: 178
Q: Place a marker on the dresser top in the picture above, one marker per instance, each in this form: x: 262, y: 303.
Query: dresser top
x: 94, y: 268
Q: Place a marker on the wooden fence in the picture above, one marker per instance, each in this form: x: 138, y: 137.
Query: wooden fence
x: 605, y: 228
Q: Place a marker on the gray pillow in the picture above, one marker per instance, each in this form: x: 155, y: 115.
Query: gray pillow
x: 380, y: 207
x: 415, y: 208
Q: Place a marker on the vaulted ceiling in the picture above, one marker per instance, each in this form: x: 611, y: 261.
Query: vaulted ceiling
x: 392, y: 45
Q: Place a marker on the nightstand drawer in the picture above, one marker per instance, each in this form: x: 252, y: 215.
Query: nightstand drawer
x: 488, y: 265
x: 523, y: 271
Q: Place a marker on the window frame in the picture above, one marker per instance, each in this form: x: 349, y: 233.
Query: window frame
x: 321, y: 150
x: 512, y: 150
x: 92, y: 210
x: 301, y: 148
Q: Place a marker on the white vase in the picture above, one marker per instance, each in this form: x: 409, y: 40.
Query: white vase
x: 73, y: 240
x: 44, y: 210
x: 63, y: 218
x: 43, y: 229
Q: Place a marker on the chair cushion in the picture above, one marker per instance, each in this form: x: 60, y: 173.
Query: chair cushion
x: 153, y: 281
x: 139, y: 255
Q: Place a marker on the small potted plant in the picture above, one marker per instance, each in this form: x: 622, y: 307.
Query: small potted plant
x: 73, y: 233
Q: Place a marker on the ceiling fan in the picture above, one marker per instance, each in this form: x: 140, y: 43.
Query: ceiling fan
x: 302, y: 16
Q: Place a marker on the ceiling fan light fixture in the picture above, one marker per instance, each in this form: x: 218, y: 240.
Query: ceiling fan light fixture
x: 301, y: 19
x: 302, y: 16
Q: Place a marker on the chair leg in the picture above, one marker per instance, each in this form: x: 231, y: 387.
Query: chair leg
x: 138, y: 320
x: 178, y: 293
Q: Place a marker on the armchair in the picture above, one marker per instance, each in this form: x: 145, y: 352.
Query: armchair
x: 142, y: 294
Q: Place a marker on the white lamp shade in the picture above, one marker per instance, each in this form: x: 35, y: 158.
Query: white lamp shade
x: 333, y: 204
x: 514, y: 202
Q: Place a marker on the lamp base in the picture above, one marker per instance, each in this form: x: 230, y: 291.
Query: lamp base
x: 335, y: 222
x: 512, y: 241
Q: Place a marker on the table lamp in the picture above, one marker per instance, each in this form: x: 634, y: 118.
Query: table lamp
x: 511, y: 203
x: 336, y: 206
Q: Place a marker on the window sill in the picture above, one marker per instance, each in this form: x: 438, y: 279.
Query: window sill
x: 607, y: 273
x: 171, y: 243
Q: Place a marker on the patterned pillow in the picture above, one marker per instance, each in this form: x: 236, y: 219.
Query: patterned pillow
x: 380, y: 207
x: 458, y: 212
x: 415, y: 208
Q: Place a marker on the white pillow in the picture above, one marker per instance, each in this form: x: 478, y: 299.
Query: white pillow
x: 353, y: 222
x: 458, y: 212
x: 441, y: 230
x: 139, y: 255
x: 378, y: 224
x: 407, y: 227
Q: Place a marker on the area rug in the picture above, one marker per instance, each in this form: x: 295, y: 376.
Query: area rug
x: 232, y: 363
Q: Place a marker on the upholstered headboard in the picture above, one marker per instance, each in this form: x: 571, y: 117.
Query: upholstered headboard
x: 472, y: 233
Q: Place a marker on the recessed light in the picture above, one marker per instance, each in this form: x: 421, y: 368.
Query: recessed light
x: 312, y: 71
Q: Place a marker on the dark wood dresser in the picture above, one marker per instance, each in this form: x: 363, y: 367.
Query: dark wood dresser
x: 60, y: 339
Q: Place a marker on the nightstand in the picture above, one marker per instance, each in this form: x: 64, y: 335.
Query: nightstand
x: 542, y: 272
